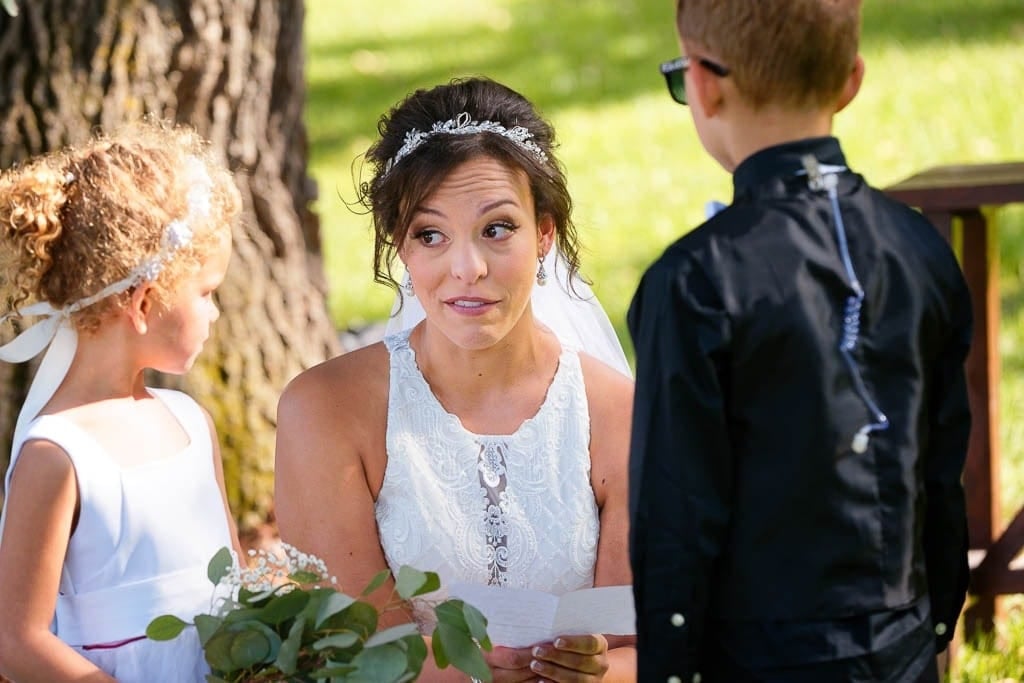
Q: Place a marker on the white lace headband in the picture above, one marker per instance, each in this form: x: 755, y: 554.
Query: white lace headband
x: 463, y: 124
x: 177, y: 234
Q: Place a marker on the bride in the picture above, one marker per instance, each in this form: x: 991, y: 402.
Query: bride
x: 477, y: 440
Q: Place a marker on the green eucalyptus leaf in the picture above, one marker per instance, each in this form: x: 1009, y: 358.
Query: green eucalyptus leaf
x: 411, y: 582
x: 333, y: 604
x: 219, y: 566
x: 260, y: 599
x: 249, y: 647
x: 284, y: 606
x: 317, y: 595
x: 332, y: 671
x: 288, y: 655
x: 440, y: 656
x: 376, y: 582
x: 461, y: 650
x: 166, y: 627
x: 10, y: 7
x: 450, y: 612
x: 342, y: 640
x: 415, y: 652
x: 207, y: 625
x: 211, y: 678
x: 218, y: 652
x: 273, y: 639
x: 303, y: 577
x: 360, y: 617
x: 391, y: 634
x: 432, y: 584
x: 381, y: 664
x: 476, y: 622
x: 243, y: 614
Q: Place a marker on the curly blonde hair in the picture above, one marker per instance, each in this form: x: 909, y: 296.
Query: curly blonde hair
x: 79, y: 219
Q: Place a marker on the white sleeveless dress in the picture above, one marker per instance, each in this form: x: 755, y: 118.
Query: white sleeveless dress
x: 144, y: 538
x: 512, y: 510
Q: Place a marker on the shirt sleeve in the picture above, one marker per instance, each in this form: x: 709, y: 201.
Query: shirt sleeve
x: 945, y: 525
x: 680, y: 464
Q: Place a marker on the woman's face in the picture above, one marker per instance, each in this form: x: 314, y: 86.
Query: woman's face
x: 472, y: 249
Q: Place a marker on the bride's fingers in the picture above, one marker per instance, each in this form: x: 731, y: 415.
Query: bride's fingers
x: 508, y: 657
x: 510, y: 665
x: 549, y: 672
x: 577, y: 658
x: 585, y: 645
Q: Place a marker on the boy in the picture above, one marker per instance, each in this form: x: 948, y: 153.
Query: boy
x: 801, y: 418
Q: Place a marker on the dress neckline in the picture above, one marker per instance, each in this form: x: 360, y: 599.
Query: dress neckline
x: 400, y: 342
x: 71, y: 425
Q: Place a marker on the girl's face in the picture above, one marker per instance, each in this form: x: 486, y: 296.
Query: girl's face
x: 179, y: 331
x: 472, y: 249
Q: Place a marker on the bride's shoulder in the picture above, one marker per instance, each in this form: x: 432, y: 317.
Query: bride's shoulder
x: 602, y: 379
x: 609, y: 393
x: 347, y: 388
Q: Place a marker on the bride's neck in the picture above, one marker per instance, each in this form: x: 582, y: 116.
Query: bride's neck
x: 475, y: 373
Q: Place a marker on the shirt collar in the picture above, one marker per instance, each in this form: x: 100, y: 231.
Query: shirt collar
x: 775, y: 165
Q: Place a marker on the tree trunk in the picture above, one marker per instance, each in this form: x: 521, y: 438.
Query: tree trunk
x: 234, y: 70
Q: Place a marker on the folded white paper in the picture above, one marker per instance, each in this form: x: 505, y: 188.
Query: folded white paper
x: 518, y: 617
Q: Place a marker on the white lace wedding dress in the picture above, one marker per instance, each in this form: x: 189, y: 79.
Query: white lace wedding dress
x: 510, y: 510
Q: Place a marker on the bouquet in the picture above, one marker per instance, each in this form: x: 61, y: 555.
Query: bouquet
x: 283, y: 619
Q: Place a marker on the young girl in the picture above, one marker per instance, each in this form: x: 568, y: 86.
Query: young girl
x: 115, y: 496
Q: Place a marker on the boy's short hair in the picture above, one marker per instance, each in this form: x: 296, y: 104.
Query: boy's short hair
x: 794, y: 53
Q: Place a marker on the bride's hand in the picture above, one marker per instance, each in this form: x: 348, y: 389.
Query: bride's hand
x: 571, y: 659
x: 510, y: 664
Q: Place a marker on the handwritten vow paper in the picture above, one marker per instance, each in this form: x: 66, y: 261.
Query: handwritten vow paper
x: 518, y: 617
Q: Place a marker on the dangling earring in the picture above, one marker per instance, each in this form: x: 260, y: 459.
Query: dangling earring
x: 542, y: 275
x: 407, y: 285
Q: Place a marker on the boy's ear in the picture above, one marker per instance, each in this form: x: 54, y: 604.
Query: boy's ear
x: 140, y: 306
x: 707, y: 90
x: 852, y: 86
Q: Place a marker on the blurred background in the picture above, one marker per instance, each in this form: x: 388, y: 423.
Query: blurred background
x: 290, y: 92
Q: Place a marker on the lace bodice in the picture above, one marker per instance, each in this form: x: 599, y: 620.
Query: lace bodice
x: 513, y: 510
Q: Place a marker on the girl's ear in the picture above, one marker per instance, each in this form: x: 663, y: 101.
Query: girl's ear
x: 545, y: 234
x: 140, y: 307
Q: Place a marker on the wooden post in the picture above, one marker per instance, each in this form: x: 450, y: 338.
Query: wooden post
x: 981, y: 474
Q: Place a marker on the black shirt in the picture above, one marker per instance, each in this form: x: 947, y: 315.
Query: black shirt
x: 757, y: 532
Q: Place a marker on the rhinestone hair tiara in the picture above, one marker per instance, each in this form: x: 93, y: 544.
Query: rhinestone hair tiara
x: 463, y: 124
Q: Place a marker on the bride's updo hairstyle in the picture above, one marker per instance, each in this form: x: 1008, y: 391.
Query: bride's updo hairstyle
x: 431, y: 132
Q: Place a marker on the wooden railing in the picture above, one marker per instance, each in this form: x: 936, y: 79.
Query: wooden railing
x: 961, y: 201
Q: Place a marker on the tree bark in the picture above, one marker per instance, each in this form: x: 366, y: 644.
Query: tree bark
x: 234, y: 70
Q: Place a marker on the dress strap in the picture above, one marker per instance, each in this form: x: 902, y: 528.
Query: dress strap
x: 187, y: 412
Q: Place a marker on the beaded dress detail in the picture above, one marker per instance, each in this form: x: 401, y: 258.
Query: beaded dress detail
x: 512, y: 510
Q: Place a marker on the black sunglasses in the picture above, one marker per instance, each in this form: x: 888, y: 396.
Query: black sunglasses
x: 674, y: 72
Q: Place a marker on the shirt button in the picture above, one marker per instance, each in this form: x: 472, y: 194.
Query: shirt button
x: 678, y: 619
x: 940, y: 629
x: 675, y: 679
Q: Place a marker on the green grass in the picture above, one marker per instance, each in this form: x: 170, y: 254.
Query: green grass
x: 945, y: 84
